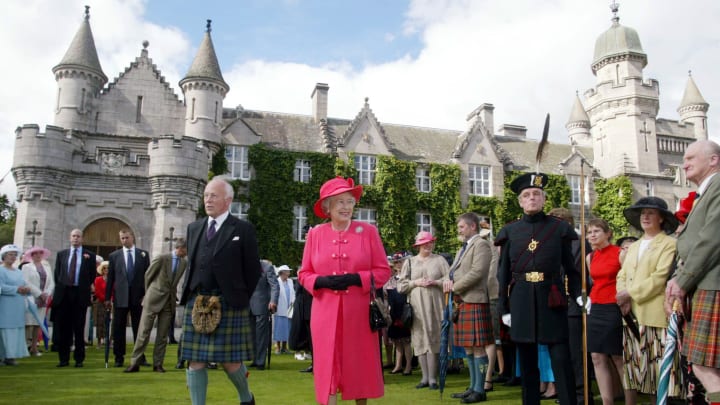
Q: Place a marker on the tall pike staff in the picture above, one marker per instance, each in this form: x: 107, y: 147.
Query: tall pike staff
x: 583, y: 267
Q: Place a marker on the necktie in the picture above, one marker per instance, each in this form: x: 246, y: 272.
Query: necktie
x: 175, y: 264
x: 211, y: 230
x: 73, y: 265
x: 462, y: 251
x: 130, y: 266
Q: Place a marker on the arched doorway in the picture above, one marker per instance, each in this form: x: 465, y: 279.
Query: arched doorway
x: 102, y: 237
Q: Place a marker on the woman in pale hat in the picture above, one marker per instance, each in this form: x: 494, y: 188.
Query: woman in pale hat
x: 422, y: 279
x: 12, y: 307
x: 286, y: 298
x: 39, y: 278
x: 341, y: 260
x: 641, y: 290
x: 98, y: 306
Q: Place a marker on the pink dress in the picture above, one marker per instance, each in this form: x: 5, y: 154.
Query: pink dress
x: 346, y: 356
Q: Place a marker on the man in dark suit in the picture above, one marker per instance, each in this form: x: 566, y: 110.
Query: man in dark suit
x: 126, y: 284
x: 263, y: 303
x: 74, y: 274
x: 223, y: 262
x: 161, y: 282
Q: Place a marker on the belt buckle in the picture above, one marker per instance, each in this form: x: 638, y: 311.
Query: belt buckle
x: 534, y: 276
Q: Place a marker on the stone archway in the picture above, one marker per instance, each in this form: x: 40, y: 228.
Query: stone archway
x: 101, y: 236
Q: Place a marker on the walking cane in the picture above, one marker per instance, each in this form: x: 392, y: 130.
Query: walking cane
x: 583, y: 282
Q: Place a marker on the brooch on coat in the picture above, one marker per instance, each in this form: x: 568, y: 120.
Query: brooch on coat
x: 142, y: 254
x: 359, y: 229
x: 533, y: 245
x: 86, y: 256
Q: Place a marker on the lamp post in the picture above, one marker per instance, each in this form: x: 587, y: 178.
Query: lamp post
x: 170, y: 239
x: 34, y: 232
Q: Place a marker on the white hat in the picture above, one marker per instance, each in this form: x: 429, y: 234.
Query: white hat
x: 284, y: 267
x: 9, y: 248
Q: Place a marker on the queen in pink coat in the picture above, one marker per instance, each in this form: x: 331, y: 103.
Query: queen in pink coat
x: 340, y: 258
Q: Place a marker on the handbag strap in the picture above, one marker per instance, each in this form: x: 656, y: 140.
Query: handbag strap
x: 372, y: 287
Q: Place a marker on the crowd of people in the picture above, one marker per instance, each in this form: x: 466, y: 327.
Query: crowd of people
x: 505, y: 306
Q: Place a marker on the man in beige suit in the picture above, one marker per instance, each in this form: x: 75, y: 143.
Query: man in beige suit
x: 698, y: 270
x: 161, y: 280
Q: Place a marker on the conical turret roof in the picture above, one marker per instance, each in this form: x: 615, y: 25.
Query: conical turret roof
x: 205, y: 65
x: 692, y: 95
x: 82, y: 52
x: 578, y: 113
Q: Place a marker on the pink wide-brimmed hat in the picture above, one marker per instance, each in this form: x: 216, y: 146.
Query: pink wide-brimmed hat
x: 423, y: 237
x: 27, y: 257
x: 336, y: 186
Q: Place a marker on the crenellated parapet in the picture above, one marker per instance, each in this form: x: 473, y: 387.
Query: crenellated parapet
x: 183, y: 157
x: 53, y: 148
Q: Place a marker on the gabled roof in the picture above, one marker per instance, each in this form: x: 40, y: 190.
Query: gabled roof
x: 82, y: 52
x: 365, y: 113
x: 205, y: 65
x: 521, y: 154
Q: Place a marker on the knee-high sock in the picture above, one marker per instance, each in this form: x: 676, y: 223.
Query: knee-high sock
x: 239, y: 380
x: 422, y: 359
x: 473, y: 371
x: 197, y: 381
x: 481, y: 365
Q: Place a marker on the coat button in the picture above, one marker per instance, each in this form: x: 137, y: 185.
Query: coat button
x: 334, y: 242
x: 334, y: 256
x: 334, y: 273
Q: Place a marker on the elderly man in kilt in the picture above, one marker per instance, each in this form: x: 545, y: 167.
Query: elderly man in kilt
x: 469, y: 282
x: 532, y: 297
x: 223, y: 265
x: 696, y: 282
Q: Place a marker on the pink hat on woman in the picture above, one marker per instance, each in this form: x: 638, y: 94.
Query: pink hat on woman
x: 423, y: 237
x: 27, y: 257
x: 336, y: 186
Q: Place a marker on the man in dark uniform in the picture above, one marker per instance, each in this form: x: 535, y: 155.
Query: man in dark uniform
x: 532, y: 291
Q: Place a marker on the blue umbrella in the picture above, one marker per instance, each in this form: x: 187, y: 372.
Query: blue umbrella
x: 33, y: 309
x: 444, y: 342
x: 671, y: 342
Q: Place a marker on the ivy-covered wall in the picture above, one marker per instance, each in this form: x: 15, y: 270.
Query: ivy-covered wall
x: 613, y: 196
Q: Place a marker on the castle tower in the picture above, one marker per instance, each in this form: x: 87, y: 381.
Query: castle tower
x: 204, y: 89
x: 623, y: 106
x: 693, y: 109
x: 578, y: 125
x: 80, y: 79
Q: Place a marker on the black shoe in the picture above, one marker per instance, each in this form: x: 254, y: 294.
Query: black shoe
x: 119, y: 361
x: 461, y: 395
x: 143, y: 361
x: 422, y: 385
x: 180, y: 365
x: 307, y: 370
x: 491, y: 386
x: 260, y: 367
x: 434, y: 386
x: 134, y: 368
x: 78, y: 364
x: 474, y: 397
x: 63, y: 364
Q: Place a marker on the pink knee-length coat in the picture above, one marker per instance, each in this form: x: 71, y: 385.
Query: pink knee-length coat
x: 346, y: 356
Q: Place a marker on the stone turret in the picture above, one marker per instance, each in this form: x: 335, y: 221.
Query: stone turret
x: 204, y: 89
x: 693, y: 108
x: 578, y: 125
x: 79, y: 78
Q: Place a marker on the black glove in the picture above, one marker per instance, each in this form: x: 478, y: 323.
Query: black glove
x: 348, y: 280
x: 341, y: 282
x: 323, y: 282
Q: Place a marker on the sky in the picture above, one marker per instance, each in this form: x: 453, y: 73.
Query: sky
x: 425, y: 63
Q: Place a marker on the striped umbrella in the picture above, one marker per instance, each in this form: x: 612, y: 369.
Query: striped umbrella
x: 671, y: 343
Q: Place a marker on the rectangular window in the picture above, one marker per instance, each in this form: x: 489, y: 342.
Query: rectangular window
x: 300, y: 222
x: 479, y: 176
x: 424, y: 222
x: 422, y: 180
x: 366, y: 215
x: 138, y: 109
x: 239, y: 209
x: 302, y: 172
x: 575, y: 190
x: 649, y: 189
x: 365, y: 166
x: 237, y: 157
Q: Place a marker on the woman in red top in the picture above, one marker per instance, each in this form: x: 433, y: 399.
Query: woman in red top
x: 98, y: 307
x: 604, y: 323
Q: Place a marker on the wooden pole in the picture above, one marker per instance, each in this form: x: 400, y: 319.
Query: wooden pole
x: 583, y: 267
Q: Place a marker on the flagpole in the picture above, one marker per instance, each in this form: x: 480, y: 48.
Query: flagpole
x: 583, y: 266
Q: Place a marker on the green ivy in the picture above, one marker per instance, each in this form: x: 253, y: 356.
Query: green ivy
x: 613, y: 196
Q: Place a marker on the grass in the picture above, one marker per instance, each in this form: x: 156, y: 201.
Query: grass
x: 36, y: 380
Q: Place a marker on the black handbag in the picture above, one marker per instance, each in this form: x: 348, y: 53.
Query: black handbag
x: 379, y: 313
x: 407, y: 312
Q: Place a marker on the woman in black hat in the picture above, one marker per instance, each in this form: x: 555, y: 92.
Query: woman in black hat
x: 641, y: 289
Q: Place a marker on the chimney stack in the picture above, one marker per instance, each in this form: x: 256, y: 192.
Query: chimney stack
x: 319, y: 98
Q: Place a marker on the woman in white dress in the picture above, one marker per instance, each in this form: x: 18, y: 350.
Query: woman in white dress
x: 39, y: 278
x: 13, y: 292
x: 285, y: 303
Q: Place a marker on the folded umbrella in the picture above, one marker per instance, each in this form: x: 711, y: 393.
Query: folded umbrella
x: 107, y: 336
x: 444, y: 342
x: 671, y: 343
x: 630, y: 321
x: 33, y: 309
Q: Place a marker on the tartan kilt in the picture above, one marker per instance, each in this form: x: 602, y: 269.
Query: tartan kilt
x: 474, y: 326
x: 701, y: 333
x: 229, y: 343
